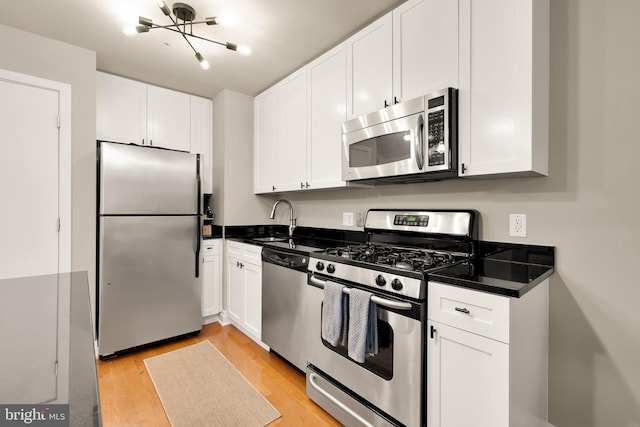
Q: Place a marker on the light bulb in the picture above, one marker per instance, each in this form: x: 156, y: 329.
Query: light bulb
x: 245, y: 50
x: 203, y: 62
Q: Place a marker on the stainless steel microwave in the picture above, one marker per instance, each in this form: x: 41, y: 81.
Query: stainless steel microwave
x: 412, y: 141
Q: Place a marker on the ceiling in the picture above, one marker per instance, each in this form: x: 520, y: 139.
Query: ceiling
x: 283, y: 35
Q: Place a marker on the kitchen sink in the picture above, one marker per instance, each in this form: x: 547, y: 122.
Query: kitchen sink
x: 270, y: 239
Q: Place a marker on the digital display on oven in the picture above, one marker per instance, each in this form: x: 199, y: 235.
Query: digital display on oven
x: 411, y: 220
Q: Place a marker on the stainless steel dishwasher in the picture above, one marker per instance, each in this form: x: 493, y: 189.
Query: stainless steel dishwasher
x: 284, y: 304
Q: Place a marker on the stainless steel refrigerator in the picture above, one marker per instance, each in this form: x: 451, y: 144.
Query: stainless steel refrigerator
x: 149, y: 225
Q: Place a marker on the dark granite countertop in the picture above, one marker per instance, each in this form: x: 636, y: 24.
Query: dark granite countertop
x: 501, y: 268
x: 47, y: 319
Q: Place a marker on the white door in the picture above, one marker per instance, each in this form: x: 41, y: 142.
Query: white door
x: 28, y: 180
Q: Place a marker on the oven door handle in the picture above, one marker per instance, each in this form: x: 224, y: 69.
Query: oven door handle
x: 312, y: 381
x: 379, y: 301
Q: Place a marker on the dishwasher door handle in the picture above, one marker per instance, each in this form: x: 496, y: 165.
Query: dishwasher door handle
x: 379, y: 301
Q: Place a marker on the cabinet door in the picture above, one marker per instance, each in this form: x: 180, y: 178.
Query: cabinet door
x: 327, y: 110
x: 168, y: 118
x: 253, y: 308
x: 236, y: 290
x: 201, y: 138
x: 293, y: 131
x: 425, y: 47
x: 504, y: 87
x: 468, y: 379
x: 266, y: 141
x: 369, y: 68
x: 211, y: 289
x: 121, y: 109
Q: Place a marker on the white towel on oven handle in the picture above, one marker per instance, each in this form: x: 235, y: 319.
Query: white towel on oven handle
x: 363, y: 325
x: 334, y: 314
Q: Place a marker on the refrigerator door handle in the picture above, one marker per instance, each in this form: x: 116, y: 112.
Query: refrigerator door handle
x: 199, y: 215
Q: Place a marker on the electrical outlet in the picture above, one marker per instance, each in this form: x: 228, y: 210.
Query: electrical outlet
x: 359, y: 219
x: 518, y: 225
x: 347, y: 219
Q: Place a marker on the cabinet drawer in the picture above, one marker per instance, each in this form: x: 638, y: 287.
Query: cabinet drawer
x: 244, y: 251
x: 474, y: 311
x: 210, y: 248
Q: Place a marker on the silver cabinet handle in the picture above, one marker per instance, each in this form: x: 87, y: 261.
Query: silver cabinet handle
x: 380, y: 301
x: 312, y: 381
x: 462, y: 310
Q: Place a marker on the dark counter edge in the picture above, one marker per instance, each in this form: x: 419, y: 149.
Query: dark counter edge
x: 540, y: 256
x: 494, y: 289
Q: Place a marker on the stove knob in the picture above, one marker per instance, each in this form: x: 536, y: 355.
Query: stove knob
x: 380, y: 281
x: 396, y: 284
x: 331, y: 268
x: 319, y: 266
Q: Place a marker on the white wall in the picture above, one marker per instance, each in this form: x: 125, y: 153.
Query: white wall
x: 28, y: 53
x: 588, y: 208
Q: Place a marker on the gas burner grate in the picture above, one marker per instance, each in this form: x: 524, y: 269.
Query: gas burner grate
x: 409, y: 259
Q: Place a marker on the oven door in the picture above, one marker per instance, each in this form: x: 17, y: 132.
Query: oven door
x: 384, y: 150
x: 391, y: 383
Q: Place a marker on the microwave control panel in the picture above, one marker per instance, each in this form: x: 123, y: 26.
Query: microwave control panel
x: 436, y: 134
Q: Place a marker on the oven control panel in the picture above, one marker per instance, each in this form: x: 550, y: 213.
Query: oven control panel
x: 411, y: 220
x: 371, y: 278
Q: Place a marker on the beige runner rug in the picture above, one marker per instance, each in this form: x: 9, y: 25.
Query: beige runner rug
x: 199, y: 387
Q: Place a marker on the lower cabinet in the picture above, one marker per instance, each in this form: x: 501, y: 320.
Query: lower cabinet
x: 244, y: 281
x: 487, y: 358
x: 211, y: 279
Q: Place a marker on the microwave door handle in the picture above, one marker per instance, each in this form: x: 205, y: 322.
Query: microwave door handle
x: 419, y: 142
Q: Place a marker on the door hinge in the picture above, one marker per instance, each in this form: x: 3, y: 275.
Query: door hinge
x: 58, y: 120
x: 58, y: 224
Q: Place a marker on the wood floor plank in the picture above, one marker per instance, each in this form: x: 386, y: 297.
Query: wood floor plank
x: 128, y: 397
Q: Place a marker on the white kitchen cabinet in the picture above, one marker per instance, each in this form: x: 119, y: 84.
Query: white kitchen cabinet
x: 128, y: 111
x: 121, y: 109
x: 293, y: 132
x: 244, y: 285
x: 168, y: 118
x: 201, y: 138
x: 369, y: 68
x: 410, y: 52
x: 487, y: 357
x: 211, y: 278
x: 305, y: 150
x: 280, y: 155
x: 504, y: 88
x: 425, y: 47
x: 327, y: 82
x: 468, y: 379
x: 266, y: 141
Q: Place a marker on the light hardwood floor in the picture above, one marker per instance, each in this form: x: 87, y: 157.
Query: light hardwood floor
x: 128, y: 397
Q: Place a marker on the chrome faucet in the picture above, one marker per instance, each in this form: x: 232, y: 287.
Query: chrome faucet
x: 292, y: 220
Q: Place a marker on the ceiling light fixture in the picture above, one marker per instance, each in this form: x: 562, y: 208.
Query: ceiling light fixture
x: 183, y: 20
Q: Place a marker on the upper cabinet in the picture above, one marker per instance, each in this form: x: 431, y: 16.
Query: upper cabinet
x: 266, y: 140
x: 297, y: 141
x: 495, y: 52
x: 168, y: 118
x: 327, y: 82
x: 504, y: 88
x: 201, y: 138
x: 409, y: 52
x: 292, y: 168
x: 121, y: 109
x: 132, y: 112
x: 369, y: 68
x: 425, y: 47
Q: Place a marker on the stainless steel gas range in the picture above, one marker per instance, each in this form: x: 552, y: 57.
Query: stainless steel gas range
x: 388, y: 386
